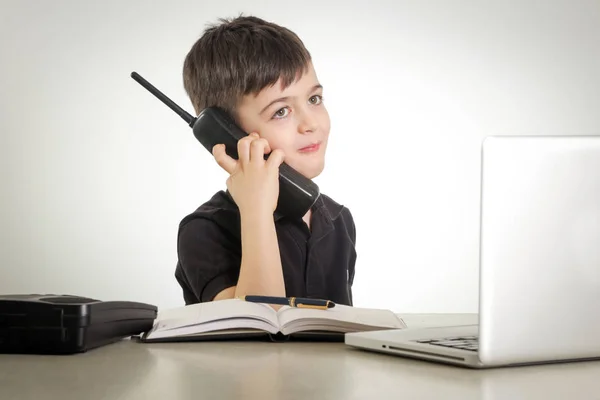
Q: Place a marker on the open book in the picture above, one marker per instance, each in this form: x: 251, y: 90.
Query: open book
x: 235, y: 318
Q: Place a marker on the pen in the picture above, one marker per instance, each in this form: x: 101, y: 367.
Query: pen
x: 298, y: 302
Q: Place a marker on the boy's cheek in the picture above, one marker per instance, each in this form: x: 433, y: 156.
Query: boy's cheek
x: 274, y: 143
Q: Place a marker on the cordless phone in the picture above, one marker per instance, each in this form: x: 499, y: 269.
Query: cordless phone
x: 213, y: 126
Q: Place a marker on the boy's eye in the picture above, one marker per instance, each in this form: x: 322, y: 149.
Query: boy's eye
x: 284, y: 112
x: 281, y: 113
x: 316, y: 99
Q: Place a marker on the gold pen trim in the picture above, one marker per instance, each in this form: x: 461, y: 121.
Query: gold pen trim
x: 313, y: 307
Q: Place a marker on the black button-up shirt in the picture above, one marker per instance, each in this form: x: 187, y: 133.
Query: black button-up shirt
x: 318, y: 263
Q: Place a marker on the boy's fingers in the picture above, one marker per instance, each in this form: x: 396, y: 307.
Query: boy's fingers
x: 267, y: 146
x: 276, y: 158
x: 244, y: 149
x: 258, y: 149
x: 223, y: 159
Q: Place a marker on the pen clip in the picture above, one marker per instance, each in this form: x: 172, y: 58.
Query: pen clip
x: 310, y: 306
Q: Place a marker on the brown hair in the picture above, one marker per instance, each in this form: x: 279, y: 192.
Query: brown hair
x: 239, y: 57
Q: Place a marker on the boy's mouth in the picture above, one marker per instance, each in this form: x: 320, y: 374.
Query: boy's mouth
x: 310, y: 148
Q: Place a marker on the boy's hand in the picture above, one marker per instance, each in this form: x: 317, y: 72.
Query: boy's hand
x: 253, y: 182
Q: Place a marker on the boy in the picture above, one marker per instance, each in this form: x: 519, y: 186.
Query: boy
x: 233, y: 245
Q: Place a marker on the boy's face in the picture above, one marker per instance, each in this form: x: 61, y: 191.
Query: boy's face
x: 293, y: 119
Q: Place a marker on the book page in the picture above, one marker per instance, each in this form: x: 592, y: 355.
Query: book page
x: 224, y: 312
x: 340, y: 318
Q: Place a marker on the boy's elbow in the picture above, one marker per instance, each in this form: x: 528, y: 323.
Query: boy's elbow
x: 225, y: 294
x: 231, y: 293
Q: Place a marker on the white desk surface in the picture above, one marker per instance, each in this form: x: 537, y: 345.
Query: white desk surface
x: 264, y: 370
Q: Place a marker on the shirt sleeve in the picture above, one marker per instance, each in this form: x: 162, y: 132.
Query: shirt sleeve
x: 352, y: 233
x: 352, y: 265
x: 209, y: 258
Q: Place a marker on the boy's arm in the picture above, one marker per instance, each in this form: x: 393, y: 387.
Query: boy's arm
x: 254, y: 186
x: 260, y: 270
x: 209, y: 268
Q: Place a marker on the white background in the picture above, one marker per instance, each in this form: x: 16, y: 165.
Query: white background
x: 97, y: 173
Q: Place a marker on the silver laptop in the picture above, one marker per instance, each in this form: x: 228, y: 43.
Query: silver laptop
x: 539, y: 272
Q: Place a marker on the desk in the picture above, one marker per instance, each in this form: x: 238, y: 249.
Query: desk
x: 307, y: 371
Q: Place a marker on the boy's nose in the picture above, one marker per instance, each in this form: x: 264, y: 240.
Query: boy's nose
x: 307, y: 123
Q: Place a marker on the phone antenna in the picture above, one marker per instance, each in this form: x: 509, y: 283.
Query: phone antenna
x: 170, y: 103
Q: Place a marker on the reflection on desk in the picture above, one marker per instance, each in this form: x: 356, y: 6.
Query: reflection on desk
x: 263, y: 370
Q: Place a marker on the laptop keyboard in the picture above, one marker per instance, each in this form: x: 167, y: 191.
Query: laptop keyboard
x: 459, y: 342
